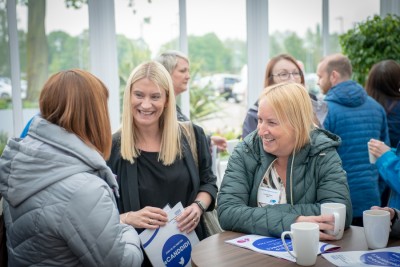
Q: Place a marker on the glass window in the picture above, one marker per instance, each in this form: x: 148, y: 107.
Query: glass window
x: 52, y: 37
x: 344, y: 15
x: 295, y: 28
x: 143, y: 28
x: 217, y: 48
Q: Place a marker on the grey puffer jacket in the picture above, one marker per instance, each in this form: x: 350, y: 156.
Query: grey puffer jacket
x: 59, y: 204
x: 317, y: 177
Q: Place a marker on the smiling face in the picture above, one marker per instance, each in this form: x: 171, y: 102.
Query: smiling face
x: 286, y: 66
x: 180, y: 76
x: 278, y: 138
x: 148, y: 102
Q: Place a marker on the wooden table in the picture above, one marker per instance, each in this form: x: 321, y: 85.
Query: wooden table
x: 213, y: 251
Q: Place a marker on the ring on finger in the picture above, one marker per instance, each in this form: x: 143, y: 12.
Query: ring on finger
x: 150, y: 221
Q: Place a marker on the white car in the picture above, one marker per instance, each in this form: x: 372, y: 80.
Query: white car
x: 6, y: 89
x: 239, y: 91
x: 223, y: 83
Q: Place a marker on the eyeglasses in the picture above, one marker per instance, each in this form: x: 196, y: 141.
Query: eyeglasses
x: 285, y: 75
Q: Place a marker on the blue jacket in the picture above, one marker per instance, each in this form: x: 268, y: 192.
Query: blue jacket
x: 393, y: 118
x: 389, y: 168
x: 356, y: 118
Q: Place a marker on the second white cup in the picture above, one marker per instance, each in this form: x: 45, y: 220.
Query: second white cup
x: 372, y: 158
x: 305, y: 242
x: 339, y: 212
x: 376, y: 228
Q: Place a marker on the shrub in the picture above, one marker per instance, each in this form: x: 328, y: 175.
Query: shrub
x: 3, y: 141
x: 371, y: 41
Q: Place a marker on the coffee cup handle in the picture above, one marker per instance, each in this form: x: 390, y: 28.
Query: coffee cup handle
x: 336, y: 223
x: 285, y: 245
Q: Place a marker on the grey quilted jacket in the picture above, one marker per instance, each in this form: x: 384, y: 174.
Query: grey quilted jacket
x: 59, y: 204
x: 317, y: 177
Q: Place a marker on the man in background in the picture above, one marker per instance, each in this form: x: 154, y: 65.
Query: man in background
x: 356, y: 118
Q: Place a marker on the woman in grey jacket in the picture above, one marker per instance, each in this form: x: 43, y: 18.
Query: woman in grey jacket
x: 60, y: 207
x: 283, y: 173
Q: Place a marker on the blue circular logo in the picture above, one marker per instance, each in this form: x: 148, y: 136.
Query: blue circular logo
x: 384, y: 258
x: 271, y: 244
x: 176, y: 251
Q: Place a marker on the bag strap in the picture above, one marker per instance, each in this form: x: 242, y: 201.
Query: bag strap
x: 188, y: 131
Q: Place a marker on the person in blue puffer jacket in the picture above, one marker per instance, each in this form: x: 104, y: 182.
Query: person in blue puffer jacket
x: 356, y: 118
x: 383, y: 85
x: 388, y: 165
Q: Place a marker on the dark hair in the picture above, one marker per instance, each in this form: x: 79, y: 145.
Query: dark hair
x: 383, y: 82
x: 271, y: 64
x: 76, y: 100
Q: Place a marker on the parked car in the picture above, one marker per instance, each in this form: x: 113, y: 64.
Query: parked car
x: 239, y: 91
x: 6, y: 89
x: 223, y: 83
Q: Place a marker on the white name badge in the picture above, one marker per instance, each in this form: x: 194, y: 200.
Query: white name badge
x: 268, y: 196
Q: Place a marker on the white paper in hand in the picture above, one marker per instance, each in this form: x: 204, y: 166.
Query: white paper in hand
x: 167, y: 246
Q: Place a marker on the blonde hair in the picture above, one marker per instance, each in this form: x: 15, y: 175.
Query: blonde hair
x: 170, y: 144
x: 76, y: 100
x: 292, y: 105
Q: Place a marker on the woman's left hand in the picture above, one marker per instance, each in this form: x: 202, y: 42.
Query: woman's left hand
x: 377, y: 148
x: 190, y: 218
x: 325, y: 222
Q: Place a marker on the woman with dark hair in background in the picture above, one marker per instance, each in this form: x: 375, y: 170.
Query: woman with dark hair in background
x: 383, y: 84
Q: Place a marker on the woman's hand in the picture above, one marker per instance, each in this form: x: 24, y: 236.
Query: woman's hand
x: 219, y: 141
x: 390, y: 210
x: 325, y: 222
x: 148, y: 217
x: 189, y: 218
x: 377, y: 148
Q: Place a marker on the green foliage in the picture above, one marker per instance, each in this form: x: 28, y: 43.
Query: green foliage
x: 203, y: 103
x: 371, y: 41
x: 212, y: 55
x: 30, y: 104
x: 5, y: 103
x: 66, y: 51
x: 130, y: 54
x: 3, y: 141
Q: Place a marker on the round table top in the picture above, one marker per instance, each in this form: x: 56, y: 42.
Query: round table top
x: 213, y: 251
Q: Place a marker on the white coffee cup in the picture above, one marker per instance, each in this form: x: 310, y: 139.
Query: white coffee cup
x: 339, y: 212
x: 372, y: 158
x: 305, y: 242
x: 376, y: 228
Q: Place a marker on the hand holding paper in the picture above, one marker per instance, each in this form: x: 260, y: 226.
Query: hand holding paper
x: 167, y: 246
x: 148, y: 217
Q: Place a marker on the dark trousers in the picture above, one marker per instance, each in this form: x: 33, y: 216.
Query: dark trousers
x: 357, y: 221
